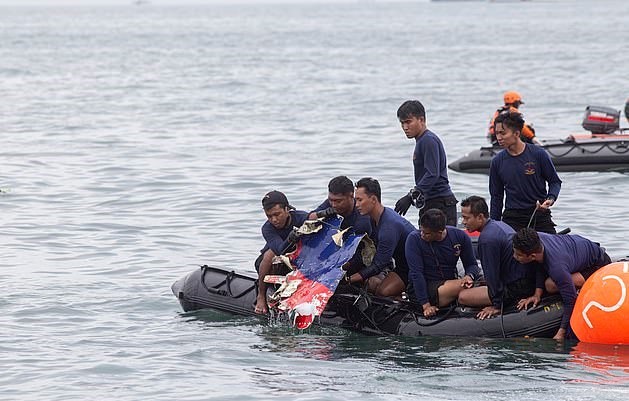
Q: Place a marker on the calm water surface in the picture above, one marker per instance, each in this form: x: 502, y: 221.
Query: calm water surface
x: 137, y: 143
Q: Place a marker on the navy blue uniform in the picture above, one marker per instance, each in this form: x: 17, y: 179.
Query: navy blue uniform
x: 390, y: 238
x: 495, y: 251
x: 276, y: 238
x: 430, y: 166
x: 437, y: 260
x: 523, y: 179
x: 431, y: 176
x: 567, y: 254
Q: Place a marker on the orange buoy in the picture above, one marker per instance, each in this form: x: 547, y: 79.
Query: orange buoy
x: 601, y: 312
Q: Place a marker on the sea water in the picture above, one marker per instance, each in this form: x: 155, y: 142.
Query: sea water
x: 137, y: 143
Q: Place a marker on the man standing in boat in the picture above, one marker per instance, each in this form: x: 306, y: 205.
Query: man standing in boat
x: 521, y: 171
x: 512, y: 101
x: 432, y: 188
x: 508, y: 282
x: 341, y: 201
x: 432, y: 254
x: 280, y: 234
x: 389, y: 234
x: 567, y: 261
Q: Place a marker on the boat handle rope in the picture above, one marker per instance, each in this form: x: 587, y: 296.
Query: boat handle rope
x: 226, y: 282
x: 432, y: 322
x: 363, y: 293
x: 584, y: 150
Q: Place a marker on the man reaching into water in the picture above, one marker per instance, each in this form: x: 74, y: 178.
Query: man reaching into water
x: 567, y: 261
x: 279, y: 233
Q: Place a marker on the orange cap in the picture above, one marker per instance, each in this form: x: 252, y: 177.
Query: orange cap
x: 512, y: 97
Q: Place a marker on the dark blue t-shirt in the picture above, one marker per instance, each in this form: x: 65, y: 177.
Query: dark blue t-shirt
x: 390, y: 239
x: 276, y: 238
x: 564, y: 255
x: 522, y: 178
x: 437, y: 260
x: 495, y: 251
x: 430, y: 166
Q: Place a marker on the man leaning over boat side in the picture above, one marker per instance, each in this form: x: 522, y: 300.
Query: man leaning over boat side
x: 432, y: 188
x: 280, y: 236
x: 389, y: 232
x: 512, y: 102
x: 518, y: 175
x: 507, y: 281
x: 341, y: 201
x: 432, y: 253
x: 566, y: 260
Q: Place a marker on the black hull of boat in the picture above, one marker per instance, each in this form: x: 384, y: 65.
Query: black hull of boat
x: 234, y: 293
x: 595, y: 155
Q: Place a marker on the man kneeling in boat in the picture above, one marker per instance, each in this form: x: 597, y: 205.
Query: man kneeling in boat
x: 508, y: 282
x: 566, y: 260
x: 341, y: 201
x: 280, y: 236
x: 432, y: 254
x: 389, y: 231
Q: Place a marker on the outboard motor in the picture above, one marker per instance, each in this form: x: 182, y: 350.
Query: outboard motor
x: 601, y: 120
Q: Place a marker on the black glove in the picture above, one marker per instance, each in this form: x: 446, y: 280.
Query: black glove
x: 329, y: 212
x: 402, y: 205
x: 293, y: 236
x: 414, y: 197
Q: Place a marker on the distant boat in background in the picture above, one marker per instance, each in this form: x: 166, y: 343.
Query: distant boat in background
x: 141, y: 2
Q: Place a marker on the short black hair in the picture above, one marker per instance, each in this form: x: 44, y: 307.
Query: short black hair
x: 510, y: 119
x: 477, y: 205
x: 527, y: 241
x: 411, y: 108
x: 371, y: 187
x: 434, y: 219
x: 341, y: 185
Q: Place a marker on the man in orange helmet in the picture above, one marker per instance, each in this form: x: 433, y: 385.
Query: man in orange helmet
x: 512, y: 101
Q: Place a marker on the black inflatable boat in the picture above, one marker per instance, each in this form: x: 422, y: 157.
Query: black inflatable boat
x: 354, y: 309
x: 576, y: 153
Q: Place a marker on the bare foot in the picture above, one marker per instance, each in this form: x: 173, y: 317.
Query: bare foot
x: 261, y: 306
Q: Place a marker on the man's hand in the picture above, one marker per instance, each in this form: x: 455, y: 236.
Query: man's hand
x: 402, y: 205
x: 329, y: 212
x: 429, y: 310
x: 524, y: 303
x: 487, y: 312
x: 467, y: 282
x: 414, y: 197
x: 546, y: 204
x: 561, y: 335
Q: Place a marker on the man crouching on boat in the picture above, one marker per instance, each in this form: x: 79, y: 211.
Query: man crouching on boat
x: 279, y: 235
x: 432, y: 254
x: 341, y: 202
x: 507, y: 280
x: 567, y: 261
x: 389, y: 232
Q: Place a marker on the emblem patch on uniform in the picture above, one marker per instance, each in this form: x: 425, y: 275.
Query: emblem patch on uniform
x: 457, y: 250
x: 529, y: 168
